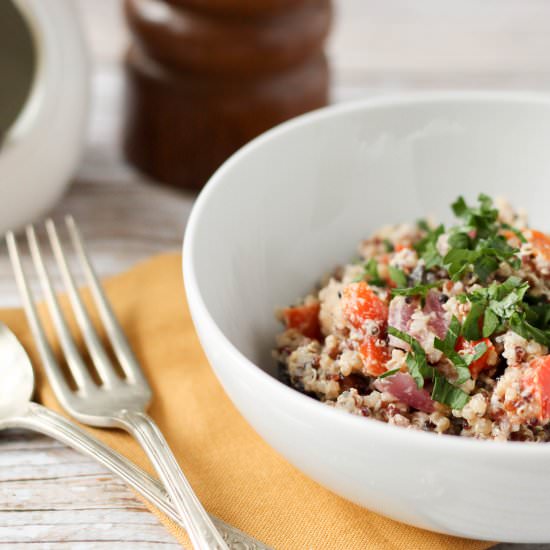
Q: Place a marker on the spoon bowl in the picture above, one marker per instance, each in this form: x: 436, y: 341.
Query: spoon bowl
x: 17, y: 375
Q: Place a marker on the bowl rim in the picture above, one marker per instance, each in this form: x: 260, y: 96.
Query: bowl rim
x: 430, y: 442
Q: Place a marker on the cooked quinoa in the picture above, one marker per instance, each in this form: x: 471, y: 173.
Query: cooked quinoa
x: 437, y: 329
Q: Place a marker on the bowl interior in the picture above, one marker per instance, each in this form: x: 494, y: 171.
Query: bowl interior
x: 295, y: 202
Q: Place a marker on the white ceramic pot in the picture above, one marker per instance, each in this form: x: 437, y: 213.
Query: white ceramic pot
x: 294, y: 203
x: 42, y: 147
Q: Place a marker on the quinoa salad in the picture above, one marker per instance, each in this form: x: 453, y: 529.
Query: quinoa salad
x: 441, y: 329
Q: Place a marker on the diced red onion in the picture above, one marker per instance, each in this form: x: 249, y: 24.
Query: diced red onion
x: 439, y: 322
x: 399, y: 317
x: 403, y: 387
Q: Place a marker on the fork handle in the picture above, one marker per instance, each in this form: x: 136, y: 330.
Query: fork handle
x: 199, y: 527
x: 40, y: 419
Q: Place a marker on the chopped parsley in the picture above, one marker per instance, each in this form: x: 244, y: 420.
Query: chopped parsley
x: 426, y: 247
x: 389, y: 373
x: 447, y: 346
x: 416, y: 358
x: 460, y: 362
x: 442, y: 390
x: 370, y: 274
x: 483, y: 257
x: 520, y: 325
x: 397, y: 276
x: 417, y: 290
x: 477, y: 244
x: 493, y: 307
x: 471, y: 329
x: 388, y: 245
x: 537, y: 310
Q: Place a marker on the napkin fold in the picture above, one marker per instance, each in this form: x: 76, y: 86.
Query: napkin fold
x: 237, y: 476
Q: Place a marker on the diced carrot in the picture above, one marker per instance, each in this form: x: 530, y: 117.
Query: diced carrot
x: 376, y: 355
x: 541, y: 385
x: 540, y: 243
x: 304, y: 319
x: 360, y: 303
x: 486, y: 361
x: 400, y: 247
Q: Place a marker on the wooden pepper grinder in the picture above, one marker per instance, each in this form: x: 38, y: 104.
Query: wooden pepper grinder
x: 206, y: 76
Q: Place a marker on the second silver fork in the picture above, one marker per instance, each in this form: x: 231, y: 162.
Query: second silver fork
x: 118, y: 401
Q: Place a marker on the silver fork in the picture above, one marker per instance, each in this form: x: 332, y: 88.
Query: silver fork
x: 117, y: 402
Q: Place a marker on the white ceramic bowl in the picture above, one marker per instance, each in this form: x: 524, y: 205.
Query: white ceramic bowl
x: 294, y: 203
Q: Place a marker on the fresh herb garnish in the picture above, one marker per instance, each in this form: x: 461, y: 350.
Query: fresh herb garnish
x: 457, y: 261
x: 494, y: 304
x: 484, y: 259
x: 370, y: 274
x: 426, y: 247
x: 537, y: 312
x: 442, y: 391
x: 415, y: 359
x: 480, y: 350
x: 491, y: 322
x: 471, y: 328
x: 507, y: 305
x: 460, y: 240
x: 481, y: 220
x: 424, y: 225
x: 389, y: 245
x: 389, y: 373
x: 477, y: 244
x: 447, y: 346
x: 520, y: 325
x: 448, y: 394
x: 417, y: 290
x: 460, y: 362
x: 397, y: 276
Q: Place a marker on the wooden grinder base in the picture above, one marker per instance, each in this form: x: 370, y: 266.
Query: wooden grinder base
x: 202, y: 84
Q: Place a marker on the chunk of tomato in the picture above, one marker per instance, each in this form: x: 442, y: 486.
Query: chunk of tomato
x: 305, y: 319
x: 376, y: 354
x: 360, y: 304
x: 540, y: 242
x: 540, y: 383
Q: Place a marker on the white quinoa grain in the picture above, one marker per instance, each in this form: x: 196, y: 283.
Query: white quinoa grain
x: 350, y: 361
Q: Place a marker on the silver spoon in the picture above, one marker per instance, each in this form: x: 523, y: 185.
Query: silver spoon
x: 17, y: 410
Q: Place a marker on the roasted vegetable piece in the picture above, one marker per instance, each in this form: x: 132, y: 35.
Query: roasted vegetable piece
x: 376, y: 354
x: 540, y: 383
x: 304, y: 319
x: 540, y: 242
x: 360, y: 304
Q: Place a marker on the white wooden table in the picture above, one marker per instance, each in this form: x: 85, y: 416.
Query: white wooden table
x: 50, y: 496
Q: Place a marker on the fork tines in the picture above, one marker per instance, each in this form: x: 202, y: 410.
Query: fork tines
x: 98, y: 354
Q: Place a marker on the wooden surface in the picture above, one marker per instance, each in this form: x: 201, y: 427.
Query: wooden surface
x: 51, y: 497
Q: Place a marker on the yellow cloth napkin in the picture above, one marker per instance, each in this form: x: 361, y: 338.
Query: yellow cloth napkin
x: 236, y: 475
